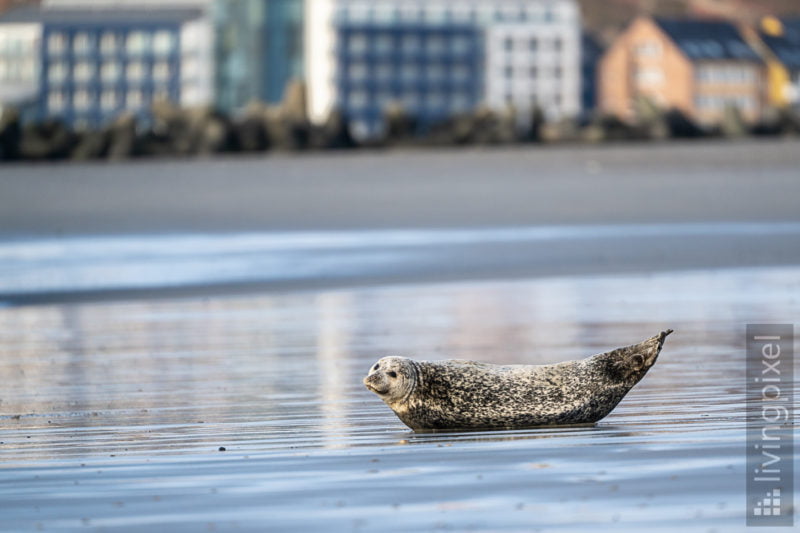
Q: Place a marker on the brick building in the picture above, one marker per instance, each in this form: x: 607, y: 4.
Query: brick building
x: 698, y: 67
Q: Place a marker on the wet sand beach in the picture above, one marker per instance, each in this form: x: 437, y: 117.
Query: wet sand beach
x: 129, y: 375
x: 745, y: 181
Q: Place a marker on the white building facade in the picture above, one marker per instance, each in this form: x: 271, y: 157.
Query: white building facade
x: 530, y: 50
x: 19, y: 63
x: 89, y: 64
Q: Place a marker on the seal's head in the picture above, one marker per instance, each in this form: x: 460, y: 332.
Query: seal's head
x: 392, y: 378
x: 626, y: 366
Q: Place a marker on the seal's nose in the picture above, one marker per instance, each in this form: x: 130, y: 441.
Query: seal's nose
x: 374, y: 383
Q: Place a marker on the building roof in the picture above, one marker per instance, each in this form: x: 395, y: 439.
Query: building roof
x: 786, y: 47
x: 705, y: 40
x: 34, y: 13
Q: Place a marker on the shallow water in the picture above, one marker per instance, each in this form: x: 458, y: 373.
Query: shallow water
x: 52, y: 269
x: 112, y: 414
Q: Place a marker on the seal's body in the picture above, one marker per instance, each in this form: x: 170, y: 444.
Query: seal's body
x: 452, y: 395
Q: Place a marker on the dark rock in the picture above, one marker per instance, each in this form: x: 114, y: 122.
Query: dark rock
x: 564, y: 130
x: 10, y: 134
x: 681, y: 126
x: 122, y: 137
x: 250, y: 131
x: 605, y: 128
x: 537, y: 122
x: 779, y: 121
x: 400, y: 126
x: 47, y: 140
x: 334, y: 134
x: 91, y: 144
x: 492, y: 127
x: 733, y: 124
x: 195, y: 131
x: 456, y: 130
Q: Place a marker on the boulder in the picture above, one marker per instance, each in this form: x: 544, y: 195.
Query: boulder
x: 400, y: 126
x: 46, y: 140
x: 91, y: 144
x: 122, y: 137
x: 10, y: 134
x: 606, y: 128
x: 733, y: 124
x: 250, y: 130
x: 333, y: 134
x: 564, y: 130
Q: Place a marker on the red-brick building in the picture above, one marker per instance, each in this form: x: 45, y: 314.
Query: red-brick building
x: 698, y: 67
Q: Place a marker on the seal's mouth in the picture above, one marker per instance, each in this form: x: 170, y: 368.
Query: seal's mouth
x: 372, y: 386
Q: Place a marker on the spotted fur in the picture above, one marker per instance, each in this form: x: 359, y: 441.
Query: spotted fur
x: 452, y: 395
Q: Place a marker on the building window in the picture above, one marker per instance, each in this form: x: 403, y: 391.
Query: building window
x: 383, y: 72
x: 460, y: 73
x: 357, y: 44
x: 134, y: 99
x: 82, y: 43
x: 435, y: 102
x: 410, y: 44
x: 460, y: 45
x: 110, y: 71
x: 409, y: 73
x: 357, y: 71
x: 508, y: 72
x: 161, y: 71
x: 508, y: 44
x: 136, y: 43
x: 162, y: 94
x: 435, y: 45
x: 558, y: 45
x: 56, y: 101
x: 83, y: 72
x: 411, y: 102
x: 163, y: 42
x: 384, y: 44
x: 357, y: 100
x: 383, y: 99
x: 649, y: 76
x: 16, y: 70
x: 109, y: 43
x: 135, y: 71
x: 533, y: 45
x: 558, y: 72
x: 648, y: 49
x: 109, y: 100
x: 81, y: 100
x: 460, y: 102
x: 57, y: 72
x: 57, y: 43
x: 435, y: 73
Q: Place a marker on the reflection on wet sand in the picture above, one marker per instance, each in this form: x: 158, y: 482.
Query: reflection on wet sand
x: 276, y: 380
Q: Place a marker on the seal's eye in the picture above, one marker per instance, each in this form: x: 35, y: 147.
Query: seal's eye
x: 376, y: 367
x: 392, y: 374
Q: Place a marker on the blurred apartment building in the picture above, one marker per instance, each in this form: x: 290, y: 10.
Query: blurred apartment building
x: 87, y: 64
x: 779, y: 43
x: 436, y: 58
x: 259, y: 48
x: 700, y: 67
x: 86, y: 61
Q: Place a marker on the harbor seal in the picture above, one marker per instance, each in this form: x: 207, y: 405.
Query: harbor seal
x: 458, y: 395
